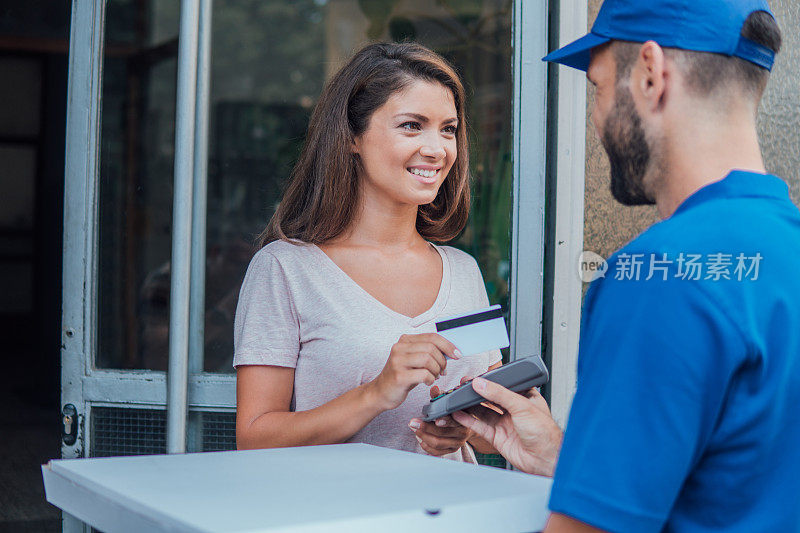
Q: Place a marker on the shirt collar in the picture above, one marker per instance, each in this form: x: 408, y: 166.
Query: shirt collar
x: 738, y: 184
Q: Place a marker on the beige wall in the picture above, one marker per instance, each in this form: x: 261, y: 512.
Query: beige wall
x: 609, y: 226
x: 779, y: 121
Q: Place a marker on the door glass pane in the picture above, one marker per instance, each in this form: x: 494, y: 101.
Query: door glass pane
x: 137, y: 146
x: 270, y: 59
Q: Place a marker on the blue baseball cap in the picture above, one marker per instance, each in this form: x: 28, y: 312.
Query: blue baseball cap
x: 699, y: 25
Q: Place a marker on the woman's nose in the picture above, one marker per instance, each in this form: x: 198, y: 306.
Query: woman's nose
x: 433, y: 150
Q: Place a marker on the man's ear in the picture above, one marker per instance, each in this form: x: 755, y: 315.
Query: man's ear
x: 650, y: 76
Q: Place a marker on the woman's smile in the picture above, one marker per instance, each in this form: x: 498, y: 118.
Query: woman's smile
x: 426, y: 174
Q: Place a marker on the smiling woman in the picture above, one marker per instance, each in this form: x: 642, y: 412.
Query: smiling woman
x: 334, y: 333
x: 368, y: 103
x: 414, y: 133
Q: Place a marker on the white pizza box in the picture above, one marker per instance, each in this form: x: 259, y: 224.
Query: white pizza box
x: 343, y: 487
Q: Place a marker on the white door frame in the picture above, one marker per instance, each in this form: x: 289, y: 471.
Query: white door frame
x: 567, y: 232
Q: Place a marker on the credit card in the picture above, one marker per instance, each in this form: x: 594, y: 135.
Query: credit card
x: 475, y: 332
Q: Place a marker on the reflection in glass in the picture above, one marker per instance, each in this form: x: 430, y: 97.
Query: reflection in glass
x: 269, y: 61
x: 135, y: 183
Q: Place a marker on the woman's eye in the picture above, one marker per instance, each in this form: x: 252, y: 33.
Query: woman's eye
x: 411, y: 126
x: 450, y: 130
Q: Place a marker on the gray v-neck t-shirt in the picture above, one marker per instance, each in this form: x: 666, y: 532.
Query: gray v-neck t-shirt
x: 298, y: 309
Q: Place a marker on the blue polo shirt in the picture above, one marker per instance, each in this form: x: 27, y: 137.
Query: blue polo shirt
x: 687, y: 410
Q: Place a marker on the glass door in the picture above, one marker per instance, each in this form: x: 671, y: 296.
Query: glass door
x: 267, y: 64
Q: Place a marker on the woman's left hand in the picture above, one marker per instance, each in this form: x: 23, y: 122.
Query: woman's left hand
x: 441, y: 437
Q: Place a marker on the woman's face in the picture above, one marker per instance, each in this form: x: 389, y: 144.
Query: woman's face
x: 409, y: 145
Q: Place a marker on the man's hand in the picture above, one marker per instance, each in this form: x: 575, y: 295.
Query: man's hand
x: 526, y: 435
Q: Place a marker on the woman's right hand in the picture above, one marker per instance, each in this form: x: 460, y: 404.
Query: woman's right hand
x: 414, y: 359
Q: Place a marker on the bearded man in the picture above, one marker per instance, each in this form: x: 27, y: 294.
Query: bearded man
x: 687, y: 410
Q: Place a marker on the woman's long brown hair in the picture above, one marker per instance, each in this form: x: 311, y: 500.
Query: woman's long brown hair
x: 322, y: 197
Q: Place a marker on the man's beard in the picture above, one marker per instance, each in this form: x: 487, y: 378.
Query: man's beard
x: 628, y: 152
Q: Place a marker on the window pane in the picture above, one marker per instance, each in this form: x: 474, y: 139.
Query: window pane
x: 135, y: 183
x: 270, y: 60
x: 21, y: 94
x: 18, y: 192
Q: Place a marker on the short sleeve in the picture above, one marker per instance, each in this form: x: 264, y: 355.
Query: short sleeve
x: 654, y: 363
x: 266, y: 328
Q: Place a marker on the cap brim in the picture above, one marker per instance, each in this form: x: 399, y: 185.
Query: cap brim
x: 577, y: 54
